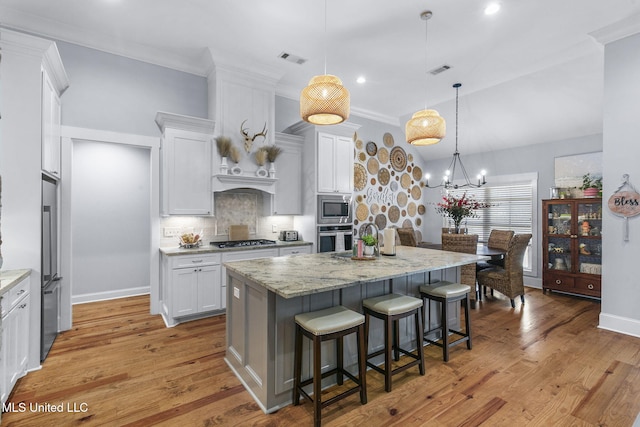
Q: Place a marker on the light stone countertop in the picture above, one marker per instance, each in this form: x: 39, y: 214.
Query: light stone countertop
x: 10, y: 278
x: 303, y: 275
x: 207, y: 248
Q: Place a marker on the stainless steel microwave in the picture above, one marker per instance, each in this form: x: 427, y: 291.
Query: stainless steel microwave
x: 333, y: 209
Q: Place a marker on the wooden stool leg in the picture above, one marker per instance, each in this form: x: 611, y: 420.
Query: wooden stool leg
x: 387, y: 353
x: 340, y: 359
x: 445, y: 329
x: 317, y: 380
x: 467, y: 321
x: 396, y: 339
x: 297, y: 365
x: 362, y: 364
x: 420, y: 339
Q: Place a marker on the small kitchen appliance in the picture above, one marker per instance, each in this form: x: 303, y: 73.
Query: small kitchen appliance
x: 288, y: 235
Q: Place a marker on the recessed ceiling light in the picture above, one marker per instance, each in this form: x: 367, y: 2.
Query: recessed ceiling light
x: 492, y: 8
x: 361, y: 79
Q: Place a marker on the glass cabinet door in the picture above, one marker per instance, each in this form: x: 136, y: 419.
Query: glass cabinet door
x: 589, y: 230
x: 559, y: 222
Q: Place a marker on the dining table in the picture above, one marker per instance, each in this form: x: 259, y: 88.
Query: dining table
x: 485, y: 250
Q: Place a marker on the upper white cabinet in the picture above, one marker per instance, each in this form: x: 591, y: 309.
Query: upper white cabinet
x: 51, y: 114
x: 288, y: 194
x: 335, y: 163
x: 186, y: 164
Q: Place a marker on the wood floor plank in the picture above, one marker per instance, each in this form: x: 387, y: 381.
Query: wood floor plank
x: 544, y: 363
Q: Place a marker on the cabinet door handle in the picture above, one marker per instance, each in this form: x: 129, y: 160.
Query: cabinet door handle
x: 23, y: 306
x: 295, y: 252
x: 558, y: 282
x: 196, y: 261
x: 22, y: 291
x: 590, y: 286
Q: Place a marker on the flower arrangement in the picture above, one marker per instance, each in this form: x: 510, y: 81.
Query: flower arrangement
x: 261, y: 156
x: 272, y: 152
x: 235, y: 154
x: 459, y: 208
x: 224, y: 145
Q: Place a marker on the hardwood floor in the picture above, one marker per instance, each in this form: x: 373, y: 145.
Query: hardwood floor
x: 546, y: 364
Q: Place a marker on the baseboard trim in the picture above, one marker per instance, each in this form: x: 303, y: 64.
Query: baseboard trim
x: 104, y: 296
x: 623, y: 325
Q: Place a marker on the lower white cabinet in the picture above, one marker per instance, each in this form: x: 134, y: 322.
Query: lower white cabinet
x: 190, y: 286
x: 15, y: 336
x: 194, y: 286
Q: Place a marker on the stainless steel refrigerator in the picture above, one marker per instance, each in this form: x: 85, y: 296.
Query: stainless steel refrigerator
x: 50, y: 278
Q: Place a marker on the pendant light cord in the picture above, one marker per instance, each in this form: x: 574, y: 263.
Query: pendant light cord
x: 457, y: 86
x: 426, y: 62
x: 325, y: 37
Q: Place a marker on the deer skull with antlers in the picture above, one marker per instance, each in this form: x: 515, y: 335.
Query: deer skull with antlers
x: 248, y: 140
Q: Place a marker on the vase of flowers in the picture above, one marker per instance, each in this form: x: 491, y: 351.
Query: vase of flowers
x: 459, y: 208
x: 261, y: 159
x: 224, y: 148
x: 272, y: 154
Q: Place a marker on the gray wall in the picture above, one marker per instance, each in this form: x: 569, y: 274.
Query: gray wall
x: 620, y: 279
x: 110, y: 92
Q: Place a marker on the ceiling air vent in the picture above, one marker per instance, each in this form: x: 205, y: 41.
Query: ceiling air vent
x: 292, y: 58
x: 439, y: 70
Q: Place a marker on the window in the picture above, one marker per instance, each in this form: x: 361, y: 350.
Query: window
x: 513, y: 201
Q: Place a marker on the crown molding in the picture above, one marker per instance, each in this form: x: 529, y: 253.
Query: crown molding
x: 176, y: 121
x: 618, y: 30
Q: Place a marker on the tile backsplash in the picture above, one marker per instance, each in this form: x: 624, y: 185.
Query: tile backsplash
x: 231, y: 207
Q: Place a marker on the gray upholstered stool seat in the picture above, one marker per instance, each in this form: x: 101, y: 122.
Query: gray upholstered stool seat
x: 445, y: 292
x: 329, y: 320
x: 329, y: 324
x: 390, y: 309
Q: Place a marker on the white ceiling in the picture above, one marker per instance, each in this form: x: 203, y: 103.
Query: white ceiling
x: 531, y: 73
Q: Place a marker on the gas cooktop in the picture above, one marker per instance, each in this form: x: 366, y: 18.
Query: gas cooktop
x: 242, y: 243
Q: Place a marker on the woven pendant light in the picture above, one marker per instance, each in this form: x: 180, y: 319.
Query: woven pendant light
x: 325, y: 101
x: 426, y: 127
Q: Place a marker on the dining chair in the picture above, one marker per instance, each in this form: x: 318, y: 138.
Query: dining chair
x: 466, y: 243
x: 407, y: 236
x: 498, y: 239
x: 508, y: 280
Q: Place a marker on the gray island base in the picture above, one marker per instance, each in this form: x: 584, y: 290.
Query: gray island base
x: 264, y: 295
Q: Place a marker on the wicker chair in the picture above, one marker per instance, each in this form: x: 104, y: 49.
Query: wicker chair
x: 407, y: 236
x: 498, y: 239
x: 508, y: 280
x: 467, y: 243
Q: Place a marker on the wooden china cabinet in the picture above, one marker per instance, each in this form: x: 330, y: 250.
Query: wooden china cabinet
x: 572, y: 246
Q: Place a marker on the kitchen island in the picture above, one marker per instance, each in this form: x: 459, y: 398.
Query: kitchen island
x: 263, y: 296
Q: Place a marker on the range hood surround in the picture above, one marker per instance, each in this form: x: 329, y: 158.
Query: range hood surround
x: 235, y: 182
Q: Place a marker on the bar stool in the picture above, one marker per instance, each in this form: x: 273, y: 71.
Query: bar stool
x: 329, y: 324
x: 391, y: 308
x: 445, y: 292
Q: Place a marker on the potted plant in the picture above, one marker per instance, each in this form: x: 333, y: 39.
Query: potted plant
x: 591, y: 185
x: 370, y: 241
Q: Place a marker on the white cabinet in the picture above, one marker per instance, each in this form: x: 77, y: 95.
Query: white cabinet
x: 294, y: 250
x: 288, y: 193
x: 50, y: 126
x: 186, y: 164
x: 190, y: 286
x: 15, y: 336
x: 335, y: 164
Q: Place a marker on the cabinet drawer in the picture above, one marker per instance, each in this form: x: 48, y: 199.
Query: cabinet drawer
x: 590, y: 286
x: 295, y: 250
x: 10, y: 299
x: 194, y: 260
x: 553, y: 281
